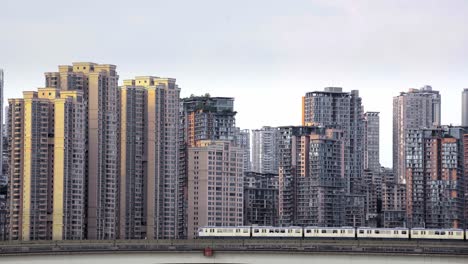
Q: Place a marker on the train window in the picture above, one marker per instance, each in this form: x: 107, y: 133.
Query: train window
x: 298, y: 231
x: 403, y: 232
x: 256, y: 230
x: 361, y: 231
x: 245, y: 231
x: 335, y: 231
x: 458, y: 233
x: 415, y: 232
x: 442, y: 233
x: 377, y: 231
x: 308, y: 231
x: 324, y: 231
x: 237, y: 230
x: 264, y: 230
x: 437, y: 232
x: 369, y: 231
x: 272, y: 231
x: 395, y: 232
x: 283, y: 231
x: 277, y: 230
x: 423, y: 232
x: 316, y: 231
x: 342, y: 231
x: 350, y: 231
x: 450, y: 233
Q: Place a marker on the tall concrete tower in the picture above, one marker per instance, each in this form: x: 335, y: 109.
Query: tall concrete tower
x: 98, y: 82
x: 1, y: 121
x: 415, y: 109
x: 464, y: 121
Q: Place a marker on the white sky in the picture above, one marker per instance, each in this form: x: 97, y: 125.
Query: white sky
x: 265, y: 53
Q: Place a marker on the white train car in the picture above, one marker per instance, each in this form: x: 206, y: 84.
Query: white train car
x: 270, y: 231
x: 329, y: 232
x: 217, y: 231
x: 421, y: 233
x: 389, y: 233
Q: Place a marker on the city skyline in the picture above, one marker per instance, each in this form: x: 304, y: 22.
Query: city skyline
x: 246, y: 50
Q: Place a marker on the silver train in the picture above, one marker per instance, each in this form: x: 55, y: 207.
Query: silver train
x: 330, y: 232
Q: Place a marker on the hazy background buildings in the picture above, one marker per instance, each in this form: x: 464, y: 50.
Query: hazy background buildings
x: 272, y: 49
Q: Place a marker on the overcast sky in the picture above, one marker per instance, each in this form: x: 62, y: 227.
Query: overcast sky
x: 266, y: 54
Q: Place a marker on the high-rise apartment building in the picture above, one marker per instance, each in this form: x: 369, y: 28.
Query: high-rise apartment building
x: 464, y: 121
x: 208, y: 118
x: 415, y: 109
x: 47, y: 172
x: 372, y: 141
x: 291, y: 162
x: 151, y: 185
x: 320, y: 185
x: 98, y: 82
x: 264, y: 150
x: 260, y: 199
x: 215, y: 185
x: 133, y: 161
x: 1, y: 121
x: 311, y: 176
x: 243, y: 141
x: 434, y: 178
x: 341, y: 110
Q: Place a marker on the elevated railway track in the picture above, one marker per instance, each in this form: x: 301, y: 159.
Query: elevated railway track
x: 363, y: 247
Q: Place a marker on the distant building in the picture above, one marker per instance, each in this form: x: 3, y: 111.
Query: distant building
x: 47, y: 151
x: 311, y: 176
x: 415, y: 109
x: 341, y: 110
x: 208, y: 118
x: 372, y: 141
x: 435, y: 184
x: 1, y: 120
x: 243, y: 141
x: 264, y: 150
x: 464, y: 121
x: 215, y: 185
x: 260, y: 199
x: 393, y: 200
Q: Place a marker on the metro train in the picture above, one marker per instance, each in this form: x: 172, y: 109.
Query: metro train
x: 330, y: 232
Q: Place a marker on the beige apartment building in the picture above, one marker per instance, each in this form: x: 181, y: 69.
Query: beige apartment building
x: 151, y: 202
x: 98, y: 82
x: 47, y: 151
x: 215, y: 185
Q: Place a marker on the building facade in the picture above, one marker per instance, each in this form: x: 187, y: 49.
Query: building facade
x: 341, y: 110
x: 260, y: 199
x: 264, y: 150
x: 415, y: 109
x: 243, y: 141
x: 208, y: 118
x: 215, y: 185
x: 98, y: 82
x: 150, y: 159
x: 372, y: 141
x: 464, y: 121
x: 47, y: 153
x: 435, y: 187
x: 311, y: 176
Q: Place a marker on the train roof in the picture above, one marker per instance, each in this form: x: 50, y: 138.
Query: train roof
x: 382, y: 228
x: 438, y: 229
x: 324, y: 227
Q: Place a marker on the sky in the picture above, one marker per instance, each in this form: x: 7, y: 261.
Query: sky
x: 265, y: 53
